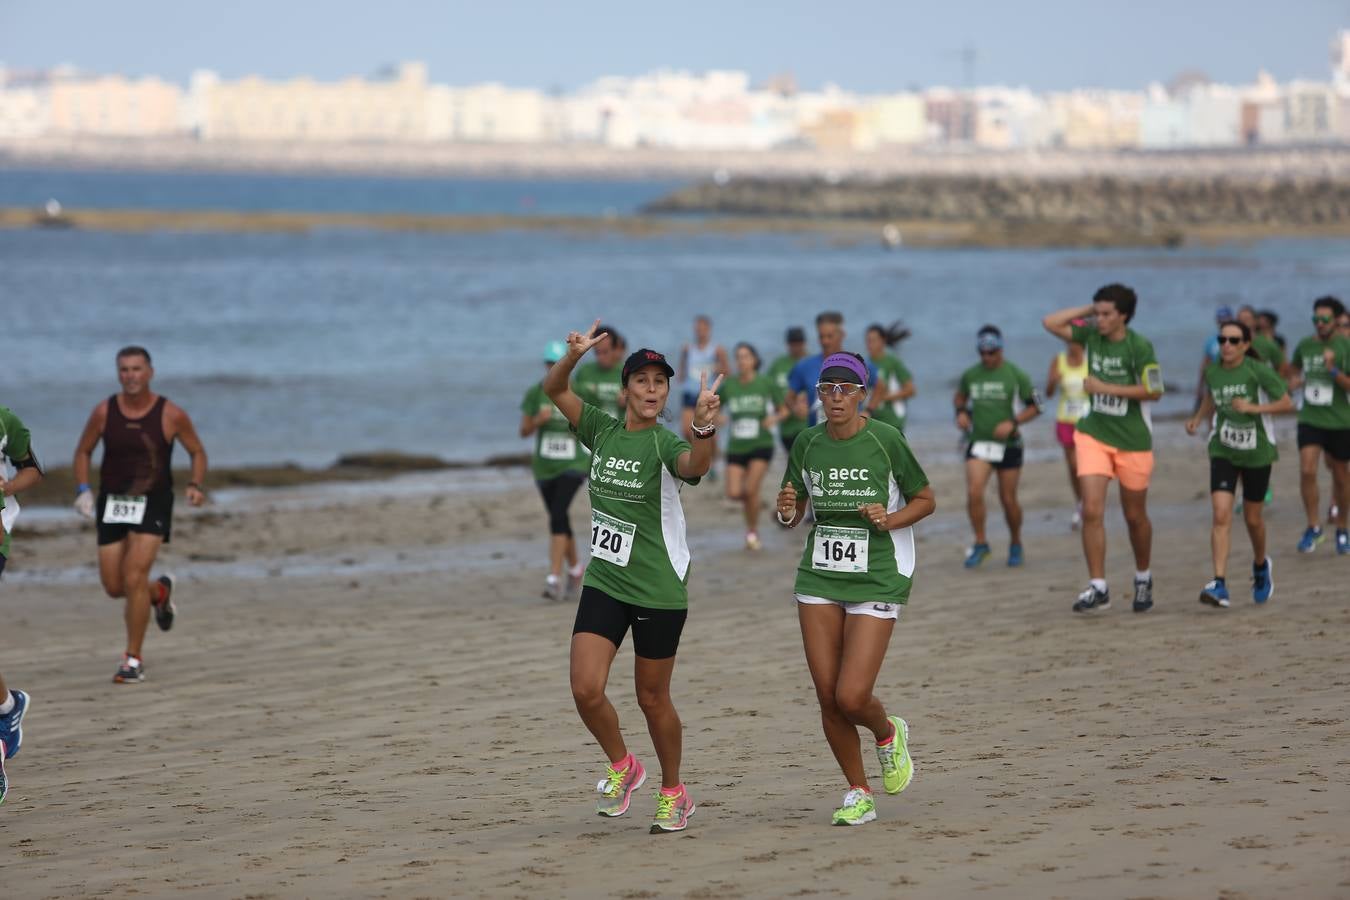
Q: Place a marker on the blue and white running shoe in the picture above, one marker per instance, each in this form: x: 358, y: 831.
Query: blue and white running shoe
x: 1263, y: 581
x: 1311, y: 538
x: 1215, y: 594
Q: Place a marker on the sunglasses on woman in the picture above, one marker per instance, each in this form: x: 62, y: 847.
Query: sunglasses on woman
x: 1228, y: 339
x: 826, y: 388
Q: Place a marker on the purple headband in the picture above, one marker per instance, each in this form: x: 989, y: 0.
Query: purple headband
x: 844, y: 361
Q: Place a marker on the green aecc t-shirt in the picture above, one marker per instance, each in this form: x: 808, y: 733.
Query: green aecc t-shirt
x: 746, y: 405
x: 1118, y: 422
x: 994, y: 396
x: 1325, y: 404
x: 847, y: 558
x: 639, y: 554
x: 556, y: 448
x: 1247, y: 441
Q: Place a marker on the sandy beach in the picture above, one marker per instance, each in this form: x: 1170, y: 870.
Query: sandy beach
x: 365, y: 696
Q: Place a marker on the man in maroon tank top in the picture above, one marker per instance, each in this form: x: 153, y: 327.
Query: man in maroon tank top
x: 133, y: 510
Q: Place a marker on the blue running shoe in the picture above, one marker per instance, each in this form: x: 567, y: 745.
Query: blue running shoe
x: 976, y: 555
x: 1015, y: 557
x: 1342, y: 541
x: 1311, y: 538
x: 1215, y: 594
x: 1263, y: 581
x: 11, y: 724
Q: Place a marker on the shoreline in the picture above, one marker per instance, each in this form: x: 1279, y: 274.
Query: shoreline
x: 860, y: 230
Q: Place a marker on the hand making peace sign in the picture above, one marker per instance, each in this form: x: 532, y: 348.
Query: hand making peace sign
x: 578, y: 343
x: 705, y: 410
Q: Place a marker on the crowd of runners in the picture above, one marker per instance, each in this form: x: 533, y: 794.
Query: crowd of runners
x: 852, y: 481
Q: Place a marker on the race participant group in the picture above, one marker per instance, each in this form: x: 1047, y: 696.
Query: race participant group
x: 634, y: 428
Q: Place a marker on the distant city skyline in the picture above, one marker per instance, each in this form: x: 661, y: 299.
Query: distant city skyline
x: 860, y: 46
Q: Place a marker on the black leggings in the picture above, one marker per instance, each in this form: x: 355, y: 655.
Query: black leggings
x: 558, y: 493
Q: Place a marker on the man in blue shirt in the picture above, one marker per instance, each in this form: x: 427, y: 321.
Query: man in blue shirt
x: 801, y: 393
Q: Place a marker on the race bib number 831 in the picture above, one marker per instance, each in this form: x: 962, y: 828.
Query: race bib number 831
x: 124, y: 510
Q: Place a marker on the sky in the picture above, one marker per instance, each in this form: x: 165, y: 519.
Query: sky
x: 869, y: 47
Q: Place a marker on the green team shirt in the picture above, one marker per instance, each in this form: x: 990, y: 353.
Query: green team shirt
x: 891, y: 376
x: 746, y: 405
x: 1247, y: 441
x: 556, y: 448
x: 793, y: 425
x: 993, y: 395
x: 15, y: 444
x: 1271, y: 353
x: 1325, y: 404
x: 1115, y: 421
x: 847, y: 558
x: 600, y: 387
x: 638, y: 550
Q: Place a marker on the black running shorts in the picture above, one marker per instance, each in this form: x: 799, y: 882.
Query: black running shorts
x: 1336, y: 442
x: 558, y: 493
x: 1224, y: 476
x: 743, y: 459
x: 158, y: 519
x: 656, y: 632
x: 1012, y: 457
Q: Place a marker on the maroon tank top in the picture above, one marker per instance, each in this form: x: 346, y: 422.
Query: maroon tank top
x: 135, y: 452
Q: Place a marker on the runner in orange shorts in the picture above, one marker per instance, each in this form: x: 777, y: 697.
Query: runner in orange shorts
x: 1115, y: 439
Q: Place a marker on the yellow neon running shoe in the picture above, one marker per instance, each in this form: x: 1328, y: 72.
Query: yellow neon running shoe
x: 897, y: 769
x: 859, y: 808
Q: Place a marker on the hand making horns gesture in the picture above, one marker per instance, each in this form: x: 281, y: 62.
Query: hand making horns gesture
x: 578, y: 343
x: 705, y: 411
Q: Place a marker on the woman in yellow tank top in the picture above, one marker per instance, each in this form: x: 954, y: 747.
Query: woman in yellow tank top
x: 1067, y: 371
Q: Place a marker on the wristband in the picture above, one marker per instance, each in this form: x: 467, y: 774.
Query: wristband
x: 705, y: 432
x: 783, y: 521
x: 81, y: 488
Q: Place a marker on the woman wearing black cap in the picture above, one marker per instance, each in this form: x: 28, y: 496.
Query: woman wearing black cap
x: 867, y: 490
x: 639, y: 565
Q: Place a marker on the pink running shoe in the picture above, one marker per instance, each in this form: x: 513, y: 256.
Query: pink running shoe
x: 617, y: 787
x: 672, y: 811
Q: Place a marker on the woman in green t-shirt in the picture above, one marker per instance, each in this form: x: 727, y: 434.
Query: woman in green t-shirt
x: 752, y: 405
x: 1241, y: 394
x: 639, y: 564
x: 559, y: 464
x: 895, y: 384
x: 867, y: 490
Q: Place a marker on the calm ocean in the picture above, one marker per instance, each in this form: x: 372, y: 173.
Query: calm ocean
x: 289, y: 347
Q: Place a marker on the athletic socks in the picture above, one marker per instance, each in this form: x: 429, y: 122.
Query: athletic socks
x: 1098, y: 583
x: 889, y: 740
x: 8, y: 706
x: 1146, y: 575
x: 676, y: 791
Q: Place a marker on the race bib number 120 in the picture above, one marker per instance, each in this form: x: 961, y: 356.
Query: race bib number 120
x: 839, y: 549
x: 124, y: 510
x: 611, y: 538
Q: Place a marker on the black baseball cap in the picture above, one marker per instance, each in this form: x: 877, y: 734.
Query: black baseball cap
x: 796, y: 335
x: 645, y: 357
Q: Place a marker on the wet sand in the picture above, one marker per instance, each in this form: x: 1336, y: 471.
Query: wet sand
x: 365, y: 696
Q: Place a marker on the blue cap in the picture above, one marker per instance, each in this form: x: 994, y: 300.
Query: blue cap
x: 1224, y: 314
x: 555, y: 351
